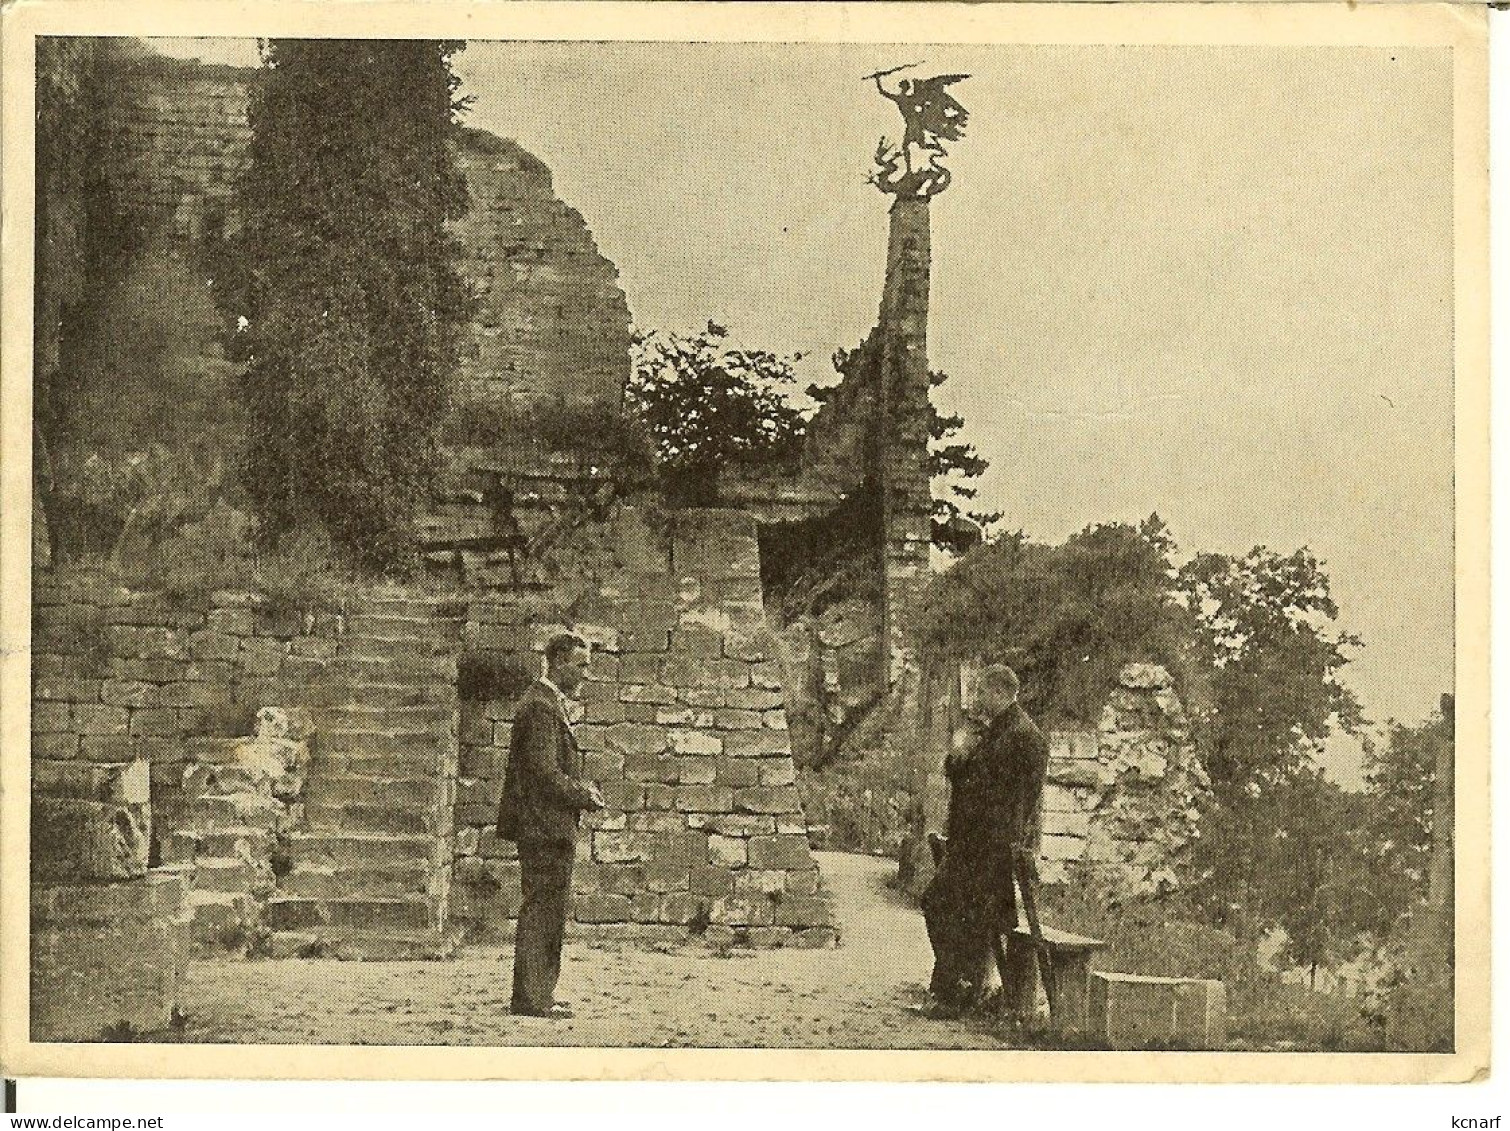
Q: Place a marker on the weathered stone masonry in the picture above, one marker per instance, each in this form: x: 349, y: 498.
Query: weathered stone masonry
x: 383, y: 847
x: 388, y: 848
x: 685, y: 731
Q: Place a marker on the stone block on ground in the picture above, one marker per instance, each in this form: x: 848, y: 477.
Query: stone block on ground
x: 1130, y: 1011
x: 106, y: 958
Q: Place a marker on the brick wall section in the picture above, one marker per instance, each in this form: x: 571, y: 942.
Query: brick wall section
x: 685, y: 731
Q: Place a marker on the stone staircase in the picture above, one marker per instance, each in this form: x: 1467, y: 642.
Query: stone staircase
x: 370, y: 865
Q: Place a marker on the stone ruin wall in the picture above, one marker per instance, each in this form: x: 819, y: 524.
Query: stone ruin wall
x: 121, y: 678
x: 1121, y: 801
x: 684, y: 729
x: 551, y: 323
x: 124, y: 686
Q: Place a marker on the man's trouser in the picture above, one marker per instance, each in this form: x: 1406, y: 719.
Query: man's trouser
x: 961, y: 906
x: 545, y: 879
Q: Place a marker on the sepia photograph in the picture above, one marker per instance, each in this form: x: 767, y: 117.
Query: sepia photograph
x: 965, y: 536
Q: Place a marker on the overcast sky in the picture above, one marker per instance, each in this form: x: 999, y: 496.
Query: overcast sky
x: 1211, y: 282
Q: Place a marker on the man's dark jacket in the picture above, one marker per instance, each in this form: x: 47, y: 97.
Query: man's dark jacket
x: 543, y: 795
x: 994, y: 792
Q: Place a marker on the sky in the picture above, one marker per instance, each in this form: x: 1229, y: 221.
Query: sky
x: 1211, y: 282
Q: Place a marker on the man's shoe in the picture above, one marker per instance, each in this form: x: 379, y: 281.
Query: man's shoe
x: 559, y: 1011
x: 943, y: 1011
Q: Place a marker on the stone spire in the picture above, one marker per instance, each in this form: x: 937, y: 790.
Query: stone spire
x: 902, y: 423
x: 912, y: 173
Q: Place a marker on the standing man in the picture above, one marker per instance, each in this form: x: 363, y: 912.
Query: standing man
x: 542, y: 803
x: 994, y: 787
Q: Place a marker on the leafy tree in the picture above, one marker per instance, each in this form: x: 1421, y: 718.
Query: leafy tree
x: 1066, y: 617
x: 706, y: 403
x: 342, y: 286
x: 1296, y: 858
x: 955, y: 467
x: 1265, y: 637
x: 1402, y: 780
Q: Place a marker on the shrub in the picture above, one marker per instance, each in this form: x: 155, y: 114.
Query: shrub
x: 1165, y: 937
x: 705, y: 403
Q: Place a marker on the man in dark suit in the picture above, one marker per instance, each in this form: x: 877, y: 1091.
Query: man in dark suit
x: 995, y: 783
x: 541, y: 807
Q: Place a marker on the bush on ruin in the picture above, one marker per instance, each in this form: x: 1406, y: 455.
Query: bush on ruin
x: 706, y: 403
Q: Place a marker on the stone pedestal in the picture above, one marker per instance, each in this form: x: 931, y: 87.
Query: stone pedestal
x: 106, y: 958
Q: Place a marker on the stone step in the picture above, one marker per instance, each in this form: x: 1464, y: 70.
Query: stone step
x: 230, y: 874
x: 407, y: 605
x: 363, y: 764
x: 380, y: 648
x: 211, y: 912
x: 224, y: 779
x: 418, y: 741
x: 367, y: 946
x: 356, y: 849
x: 298, y: 913
x: 222, y: 813
x: 385, y: 715
x: 406, y: 670
x: 363, y: 819
x: 361, y: 693
x: 393, y: 880
x: 186, y: 844
x: 361, y: 789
